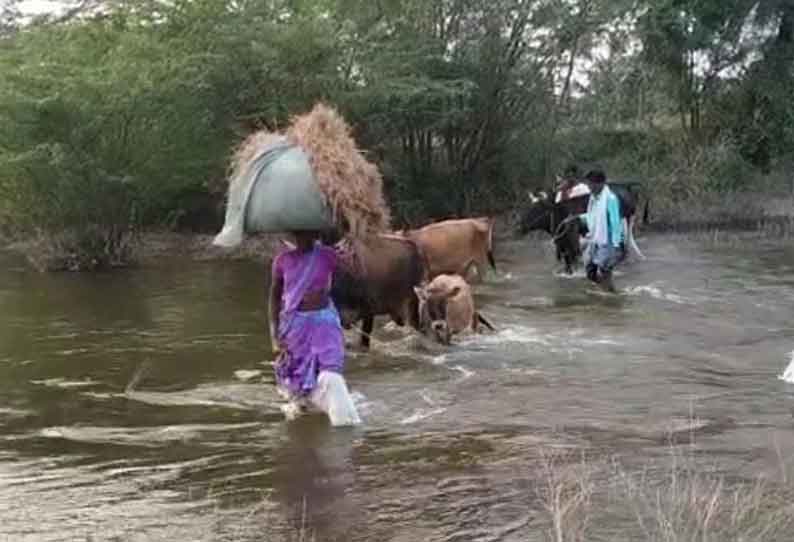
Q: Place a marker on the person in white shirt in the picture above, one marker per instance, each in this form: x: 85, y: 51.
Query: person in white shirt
x: 605, y: 237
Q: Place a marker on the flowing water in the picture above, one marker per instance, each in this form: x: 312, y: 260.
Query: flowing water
x: 139, y: 405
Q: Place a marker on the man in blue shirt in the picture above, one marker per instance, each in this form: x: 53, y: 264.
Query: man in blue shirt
x: 605, y: 231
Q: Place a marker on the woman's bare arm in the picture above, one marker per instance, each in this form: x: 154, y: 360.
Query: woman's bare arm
x: 276, y: 289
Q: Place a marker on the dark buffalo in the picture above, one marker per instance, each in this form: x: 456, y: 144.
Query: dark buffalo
x: 376, y: 277
x: 557, y: 218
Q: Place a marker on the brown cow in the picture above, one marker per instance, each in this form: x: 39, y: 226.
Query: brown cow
x: 453, y: 246
x: 446, y: 307
x: 375, y: 277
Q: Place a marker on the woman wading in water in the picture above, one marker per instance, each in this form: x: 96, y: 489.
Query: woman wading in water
x: 306, y: 332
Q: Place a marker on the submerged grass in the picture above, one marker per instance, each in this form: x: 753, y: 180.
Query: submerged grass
x: 680, y: 498
x: 696, y: 504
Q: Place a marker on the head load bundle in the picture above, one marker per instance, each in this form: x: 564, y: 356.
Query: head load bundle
x: 313, y: 177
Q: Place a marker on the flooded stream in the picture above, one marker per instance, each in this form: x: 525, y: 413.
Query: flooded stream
x: 139, y: 404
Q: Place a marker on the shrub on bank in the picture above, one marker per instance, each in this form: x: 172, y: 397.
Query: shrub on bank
x: 101, y: 132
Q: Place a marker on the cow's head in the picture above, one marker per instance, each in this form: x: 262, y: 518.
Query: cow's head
x: 433, y: 311
x: 538, y: 214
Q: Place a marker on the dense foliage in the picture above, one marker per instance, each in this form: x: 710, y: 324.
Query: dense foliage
x: 118, y: 115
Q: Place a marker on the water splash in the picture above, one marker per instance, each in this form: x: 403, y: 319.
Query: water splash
x: 788, y: 374
x: 14, y: 413
x: 440, y: 359
x: 464, y: 371
x: 656, y: 293
x: 577, y: 274
x: 244, y: 374
x: 510, y: 334
x: 422, y: 414
x: 362, y: 402
x: 140, y: 436
x: 500, y: 278
x: 601, y: 342
x: 531, y: 303
x: 65, y: 384
x: 234, y: 396
x: 292, y: 410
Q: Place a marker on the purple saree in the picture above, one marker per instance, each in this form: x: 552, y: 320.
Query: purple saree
x: 311, y: 341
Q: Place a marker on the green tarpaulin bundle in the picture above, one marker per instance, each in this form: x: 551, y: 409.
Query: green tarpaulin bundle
x: 311, y: 178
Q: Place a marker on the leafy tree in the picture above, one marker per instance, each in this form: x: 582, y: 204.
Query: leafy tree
x: 117, y: 115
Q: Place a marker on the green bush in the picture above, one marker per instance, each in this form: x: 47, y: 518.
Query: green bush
x: 125, y: 121
x: 101, y: 132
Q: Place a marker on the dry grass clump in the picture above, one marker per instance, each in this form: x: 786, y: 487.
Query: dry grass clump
x: 680, y: 501
x: 248, y: 150
x: 695, y: 504
x: 352, y: 186
x: 260, y: 521
x: 566, y: 491
x: 87, y: 248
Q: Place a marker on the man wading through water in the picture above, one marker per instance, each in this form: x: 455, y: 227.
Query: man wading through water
x: 605, y: 231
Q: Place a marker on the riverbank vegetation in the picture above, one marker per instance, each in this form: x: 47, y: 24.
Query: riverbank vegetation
x: 118, y: 116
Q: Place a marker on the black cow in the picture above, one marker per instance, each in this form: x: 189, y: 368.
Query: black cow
x: 558, y: 220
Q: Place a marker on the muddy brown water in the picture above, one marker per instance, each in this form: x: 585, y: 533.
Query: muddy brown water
x: 138, y: 405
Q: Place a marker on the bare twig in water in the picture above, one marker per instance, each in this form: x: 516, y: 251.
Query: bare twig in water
x: 693, y: 504
x: 677, y: 498
x: 137, y: 376
x: 566, y: 494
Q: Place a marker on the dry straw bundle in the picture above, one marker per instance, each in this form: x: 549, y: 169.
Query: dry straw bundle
x: 248, y: 150
x: 351, y: 185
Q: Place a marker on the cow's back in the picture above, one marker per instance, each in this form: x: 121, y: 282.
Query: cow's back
x: 449, y: 246
x: 380, y: 273
x: 392, y: 265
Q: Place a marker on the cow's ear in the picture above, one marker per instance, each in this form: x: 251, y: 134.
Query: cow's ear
x: 455, y: 291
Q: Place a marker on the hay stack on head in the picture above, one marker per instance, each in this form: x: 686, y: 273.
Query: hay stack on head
x: 311, y: 178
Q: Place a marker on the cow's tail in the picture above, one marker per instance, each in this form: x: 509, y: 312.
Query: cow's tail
x: 423, y: 274
x: 484, y: 321
x: 632, y: 243
x: 646, y: 214
x: 491, y: 259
